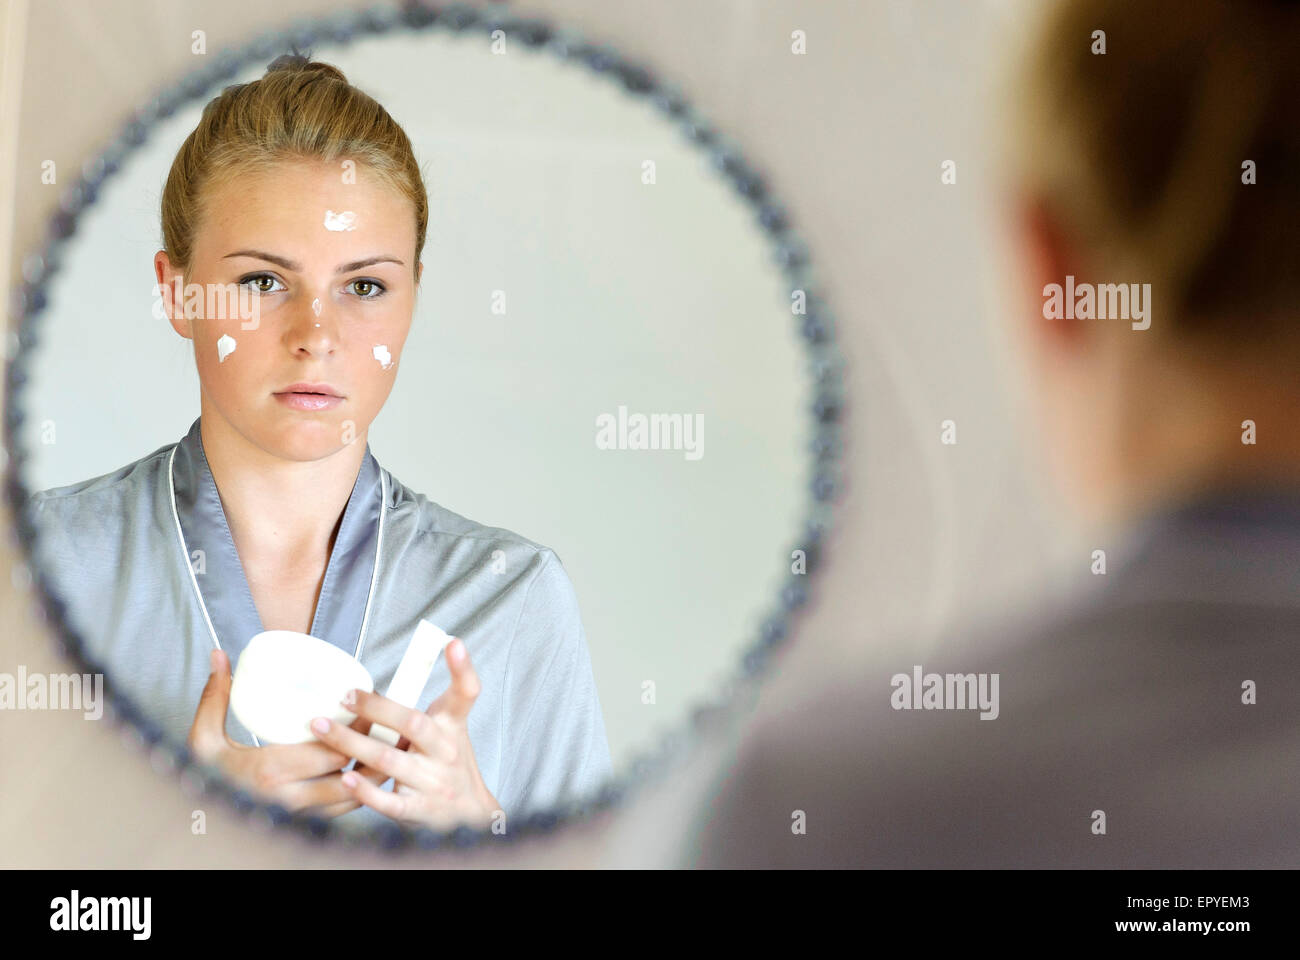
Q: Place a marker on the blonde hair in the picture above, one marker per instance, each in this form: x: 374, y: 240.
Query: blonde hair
x: 1140, y: 152
x: 300, y: 109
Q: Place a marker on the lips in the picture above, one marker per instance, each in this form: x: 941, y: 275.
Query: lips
x: 309, y: 397
x: 311, y: 389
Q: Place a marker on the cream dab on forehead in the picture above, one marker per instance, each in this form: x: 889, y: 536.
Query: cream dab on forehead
x: 225, y: 347
x: 344, y: 220
x: 383, y: 356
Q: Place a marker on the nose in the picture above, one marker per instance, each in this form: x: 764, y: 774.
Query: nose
x: 313, y: 329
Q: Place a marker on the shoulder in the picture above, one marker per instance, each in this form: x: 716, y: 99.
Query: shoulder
x: 97, y: 496
x: 89, y: 534
x: 1116, y: 696
x: 537, y: 567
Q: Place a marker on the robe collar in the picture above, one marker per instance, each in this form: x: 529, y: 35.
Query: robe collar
x: 217, y: 575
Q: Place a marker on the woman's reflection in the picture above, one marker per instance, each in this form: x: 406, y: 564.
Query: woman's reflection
x: 302, y: 195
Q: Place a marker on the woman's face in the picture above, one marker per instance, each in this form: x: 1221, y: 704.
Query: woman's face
x: 321, y: 255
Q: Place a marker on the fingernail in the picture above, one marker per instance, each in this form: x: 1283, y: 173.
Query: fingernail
x: 320, y: 725
x: 349, y: 699
x: 349, y: 779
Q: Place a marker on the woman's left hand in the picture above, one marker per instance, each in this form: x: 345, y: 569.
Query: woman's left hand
x: 437, y: 780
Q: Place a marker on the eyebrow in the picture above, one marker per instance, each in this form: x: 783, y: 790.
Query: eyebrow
x: 296, y: 267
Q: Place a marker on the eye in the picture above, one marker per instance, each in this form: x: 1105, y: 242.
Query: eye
x: 256, y: 278
x: 368, y: 289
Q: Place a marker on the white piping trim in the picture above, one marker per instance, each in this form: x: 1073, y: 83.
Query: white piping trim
x: 374, y: 575
x: 185, y: 551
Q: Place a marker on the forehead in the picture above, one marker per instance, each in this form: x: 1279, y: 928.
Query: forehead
x: 308, y: 201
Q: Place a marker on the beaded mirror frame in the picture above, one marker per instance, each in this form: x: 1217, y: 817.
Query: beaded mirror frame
x: 814, y: 326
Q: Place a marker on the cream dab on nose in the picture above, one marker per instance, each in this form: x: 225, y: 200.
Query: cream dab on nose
x: 383, y: 356
x: 225, y: 347
x: 315, y: 305
x: 343, y: 220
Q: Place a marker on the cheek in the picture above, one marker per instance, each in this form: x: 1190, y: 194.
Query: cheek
x: 372, y: 363
x: 217, y: 350
x: 383, y: 356
x: 383, y: 348
x: 226, y: 345
x: 226, y: 357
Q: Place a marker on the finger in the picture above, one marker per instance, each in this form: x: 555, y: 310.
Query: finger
x: 301, y: 761
x: 334, y: 809
x: 371, y: 774
x: 375, y: 754
x: 208, y: 732
x: 362, y: 725
x: 322, y: 792
x: 390, y: 803
x: 464, y: 688
x: 446, y: 747
x: 375, y: 776
x: 329, y: 812
x: 412, y: 726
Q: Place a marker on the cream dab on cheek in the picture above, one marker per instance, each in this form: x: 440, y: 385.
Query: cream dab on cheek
x: 344, y: 220
x: 383, y: 356
x: 225, y: 347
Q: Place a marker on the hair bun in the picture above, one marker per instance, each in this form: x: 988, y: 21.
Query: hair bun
x: 299, y: 63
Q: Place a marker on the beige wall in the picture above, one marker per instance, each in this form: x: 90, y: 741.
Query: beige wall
x: 852, y: 136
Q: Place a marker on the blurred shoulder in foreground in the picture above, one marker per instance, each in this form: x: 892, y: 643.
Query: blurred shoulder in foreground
x: 1156, y: 724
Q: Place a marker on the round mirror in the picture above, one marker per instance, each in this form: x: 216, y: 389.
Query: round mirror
x: 605, y: 462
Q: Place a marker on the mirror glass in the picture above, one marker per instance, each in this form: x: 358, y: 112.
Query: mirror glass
x: 586, y: 266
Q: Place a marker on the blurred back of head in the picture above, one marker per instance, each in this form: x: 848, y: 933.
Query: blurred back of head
x: 1163, y: 136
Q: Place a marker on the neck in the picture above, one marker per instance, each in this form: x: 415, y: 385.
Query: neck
x: 1182, y: 430
x: 278, y: 509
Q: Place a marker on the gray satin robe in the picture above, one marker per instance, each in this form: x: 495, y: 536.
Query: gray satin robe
x: 144, y: 558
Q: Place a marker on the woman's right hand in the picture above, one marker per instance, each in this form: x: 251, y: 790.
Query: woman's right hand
x: 297, y: 776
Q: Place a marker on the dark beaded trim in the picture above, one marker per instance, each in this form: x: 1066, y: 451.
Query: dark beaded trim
x: 789, y: 253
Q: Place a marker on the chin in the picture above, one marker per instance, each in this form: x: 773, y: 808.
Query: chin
x: 307, y: 439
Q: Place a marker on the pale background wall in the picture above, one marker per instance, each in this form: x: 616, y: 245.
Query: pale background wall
x: 852, y: 136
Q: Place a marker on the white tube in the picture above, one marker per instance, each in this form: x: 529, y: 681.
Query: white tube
x: 413, y: 673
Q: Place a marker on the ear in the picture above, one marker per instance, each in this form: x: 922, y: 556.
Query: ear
x: 1048, y: 256
x: 168, y: 280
